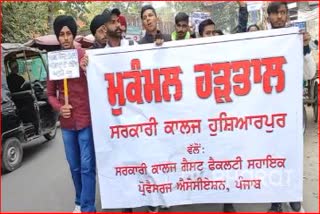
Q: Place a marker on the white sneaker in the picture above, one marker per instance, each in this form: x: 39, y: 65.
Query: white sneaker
x: 77, y: 209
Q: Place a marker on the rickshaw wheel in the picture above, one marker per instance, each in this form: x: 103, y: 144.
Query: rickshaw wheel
x: 12, y: 154
x: 51, y: 134
x: 315, y: 104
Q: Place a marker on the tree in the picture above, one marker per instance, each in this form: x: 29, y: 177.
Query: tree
x: 74, y: 9
x: 20, y: 21
x: 126, y: 8
x: 166, y: 14
x: 96, y: 8
x: 25, y: 20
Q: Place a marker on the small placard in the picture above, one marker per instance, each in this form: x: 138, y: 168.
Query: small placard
x: 63, y: 64
x: 301, y: 25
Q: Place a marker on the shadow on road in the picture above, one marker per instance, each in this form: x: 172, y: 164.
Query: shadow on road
x: 33, y: 149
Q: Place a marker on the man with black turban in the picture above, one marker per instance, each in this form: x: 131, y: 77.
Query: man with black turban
x: 75, y: 121
x: 65, y: 29
x: 99, y: 30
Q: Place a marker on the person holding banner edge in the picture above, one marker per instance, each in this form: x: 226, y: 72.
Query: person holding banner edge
x: 75, y: 120
x: 115, y: 39
x: 277, y: 22
x: 114, y: 35
x: 207, y: 27
x: 243, y: 17
x: 278, y: 18
x: 153, y: 35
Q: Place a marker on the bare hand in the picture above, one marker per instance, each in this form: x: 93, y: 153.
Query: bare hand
x: 159, y: 42
x: 84, y: 62
x: 65, y: 111
x: 159, y: 38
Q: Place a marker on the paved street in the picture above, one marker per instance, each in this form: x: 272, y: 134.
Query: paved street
x: 43, y: 182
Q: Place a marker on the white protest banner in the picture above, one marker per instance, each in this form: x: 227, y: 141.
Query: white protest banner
x: 212, y: 120
x: 63, y: 64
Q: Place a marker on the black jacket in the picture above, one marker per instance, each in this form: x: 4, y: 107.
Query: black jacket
x: 15, y: 82
x: 148, y: 38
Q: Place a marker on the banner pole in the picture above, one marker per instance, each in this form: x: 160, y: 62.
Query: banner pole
x: 66, y: 91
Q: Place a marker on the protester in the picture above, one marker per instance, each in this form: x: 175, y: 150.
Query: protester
x: 99, y: 30
x: 149, y: 21
x: 123, y: 22
x: 115, y: 39
x: 108, y: 30
x: 114, y: 33
x: 243, y: 17
x: 75, y: 121
x: 206, y: 28
x: 153, y: 35
x: 278, y: 17
x: 181, y: 27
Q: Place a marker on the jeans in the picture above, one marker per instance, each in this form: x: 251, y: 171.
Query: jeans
x: 79, y: 149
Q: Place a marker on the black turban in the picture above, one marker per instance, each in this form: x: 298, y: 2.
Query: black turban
x: 97, y: 22
x: 62, y: 21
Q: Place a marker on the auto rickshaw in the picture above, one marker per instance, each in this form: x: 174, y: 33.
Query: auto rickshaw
x: 26, y: 113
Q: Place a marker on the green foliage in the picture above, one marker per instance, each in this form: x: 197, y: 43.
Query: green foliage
x: 20, y: 21
x: 166, y: 14
x: 23, y: 20
x: 74, y: 9
x: 187, y: 7
x: 126, y: 8
x: 96, y: 8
